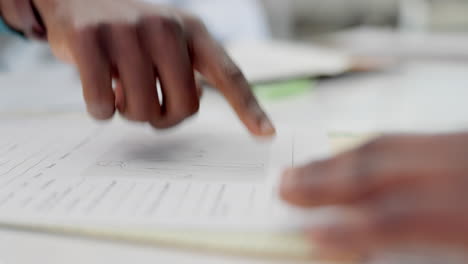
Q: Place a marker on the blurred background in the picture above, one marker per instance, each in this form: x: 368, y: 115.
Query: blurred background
x: 306, y: 17
x: 288, y: 19
x: 423, y: 88
x: 291, y: 19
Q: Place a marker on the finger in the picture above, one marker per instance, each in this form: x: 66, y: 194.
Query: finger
x: 406, y: 218
x: 353, y: 175
x: 95, y: 74
x: 165, y: 40
x: 326, y: 182
x: 211, y: 61
x: 136, y: 74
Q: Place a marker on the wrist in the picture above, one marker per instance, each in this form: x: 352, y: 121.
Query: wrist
x: 22, y: 16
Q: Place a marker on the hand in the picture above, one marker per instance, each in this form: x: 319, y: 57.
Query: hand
x: 137, y: 43
x: 397, y: 189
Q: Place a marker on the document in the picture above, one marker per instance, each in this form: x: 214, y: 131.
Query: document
x: 265, y: 62
x: 196, y: 177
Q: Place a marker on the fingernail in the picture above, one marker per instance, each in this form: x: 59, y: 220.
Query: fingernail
x: 290, y: 181
x: 101, y: 111
x: 266, y: 127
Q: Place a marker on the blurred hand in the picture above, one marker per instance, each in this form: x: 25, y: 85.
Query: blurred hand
x: 396, y: 189
x: 137, y: 43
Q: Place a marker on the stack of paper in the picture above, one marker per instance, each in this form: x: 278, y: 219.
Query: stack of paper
x: 198, y: 186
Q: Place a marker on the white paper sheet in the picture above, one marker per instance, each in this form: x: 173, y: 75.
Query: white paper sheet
x: 199, y: 176
x: 279, y: 61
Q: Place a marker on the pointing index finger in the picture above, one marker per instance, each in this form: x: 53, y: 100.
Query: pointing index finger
x: 210, y: 59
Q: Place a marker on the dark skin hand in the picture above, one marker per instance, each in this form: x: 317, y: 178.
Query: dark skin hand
x: 136, y: 44
x: 396, y: 189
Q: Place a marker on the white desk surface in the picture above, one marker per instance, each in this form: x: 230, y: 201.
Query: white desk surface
x: 415, y: 96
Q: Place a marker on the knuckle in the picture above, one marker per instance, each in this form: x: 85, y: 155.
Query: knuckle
x: 81, y: 37
x: 166, y: 24
x: 232, y: 74
x: 195, y: 24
